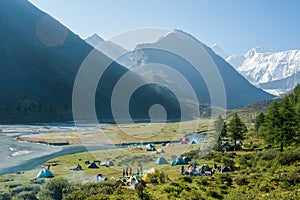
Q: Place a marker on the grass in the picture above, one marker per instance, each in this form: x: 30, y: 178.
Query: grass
x: 125, y: 133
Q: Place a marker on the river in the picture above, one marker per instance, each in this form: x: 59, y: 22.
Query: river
x: 16, y: 156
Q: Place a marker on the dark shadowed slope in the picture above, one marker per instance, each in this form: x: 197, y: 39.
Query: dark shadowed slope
x: 39, y: 59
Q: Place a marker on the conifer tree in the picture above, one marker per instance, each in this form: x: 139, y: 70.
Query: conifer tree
x: 237, y: 128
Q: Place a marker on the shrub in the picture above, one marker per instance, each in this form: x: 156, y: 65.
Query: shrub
x: 5, y: 196
x: 224, y: 179
x: 228, y: 162
x: 267, y: 155
x: 54, y: 189
x: 242, y: 181
x: 27, y: 188
x: 27, y: 195
x: 288, y: 158
x: 187, y: 179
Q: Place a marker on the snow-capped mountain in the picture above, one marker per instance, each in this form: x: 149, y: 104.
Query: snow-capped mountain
x: 275, y: 72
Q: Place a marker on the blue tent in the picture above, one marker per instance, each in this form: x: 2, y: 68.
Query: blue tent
x: 161, y: 160
x: 45, y: 173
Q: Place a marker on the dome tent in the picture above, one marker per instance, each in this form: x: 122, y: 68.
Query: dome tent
x: 93, y: 165
x: 161, y: 160
x: 45, y: 173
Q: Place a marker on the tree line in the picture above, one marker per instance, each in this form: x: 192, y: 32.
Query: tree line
x: 279, y: 126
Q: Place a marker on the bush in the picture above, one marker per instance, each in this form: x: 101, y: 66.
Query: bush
x: 187, y: 179
x: 27, y: 195
x: 27, y: 188
x: 5, y: 196
x: 54, y: 189
x: 288, y: 158
x: 267, y: 155
x: 242, y: 181
x: 224, y: 179
x: 228, y: 162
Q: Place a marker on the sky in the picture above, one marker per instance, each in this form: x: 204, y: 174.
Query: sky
x: 234, y: 25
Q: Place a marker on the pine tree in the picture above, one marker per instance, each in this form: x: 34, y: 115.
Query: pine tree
x: 259, y: 120
x: 237, y: 128
x: 287, y: 121
x: 281, y: 123
x: 220, y: 129
x: 218, y: 124
x: 272, y: 124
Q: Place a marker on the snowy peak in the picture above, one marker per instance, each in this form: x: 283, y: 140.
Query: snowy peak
x: 257, y: 50
x: 94, y: 40
x: 267, y: 66
x: 272, y: 71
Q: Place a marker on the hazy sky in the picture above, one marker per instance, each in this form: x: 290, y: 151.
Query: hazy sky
x: 235, y: 25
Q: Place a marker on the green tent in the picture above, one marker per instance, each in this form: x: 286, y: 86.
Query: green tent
x: 205, y: 167
x: 178, y: 161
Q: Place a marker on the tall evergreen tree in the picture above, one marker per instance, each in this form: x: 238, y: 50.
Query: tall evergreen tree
x: 281, y: 123
x: 218, y: 124
x: 220, y: 129
x: 272, y: 124
x: 237, y: 128
x: 259, y: 120
x: 288, y: 122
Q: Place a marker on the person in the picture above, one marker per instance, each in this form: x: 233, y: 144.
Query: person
x: 137, y: 171
x: 100, y: 178
x: 48, y: 167
x: 79, y: 167
x: 130, y: 171
x: 133, y: 183
x: 123, y: 172
x: 190, y: 170
x: 126, y: 172
x: 182, y: 169
x: 141, y: 169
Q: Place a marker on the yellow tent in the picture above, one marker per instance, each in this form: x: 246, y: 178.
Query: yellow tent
x: 149, y: 171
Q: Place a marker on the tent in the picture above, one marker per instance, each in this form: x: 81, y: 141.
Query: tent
x: 150, y: 147
x: 107, y: 164
x: 205, y: 167
x: 160, y: 151
x: 193, y: 142
x: 183, y: 142
x: 161, y: 160
x: 169, y: 144
x: 93, y: 165
x: 145, y: 176
x: 163, y: 144
x: 178, y: 161
x: 45, y: 173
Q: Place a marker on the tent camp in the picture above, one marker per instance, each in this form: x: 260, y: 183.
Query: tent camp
x: 178, y: 161
x: 93, y: 165
x: 45, y: 173
x: 161, y: 161
x: 145, y: 177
